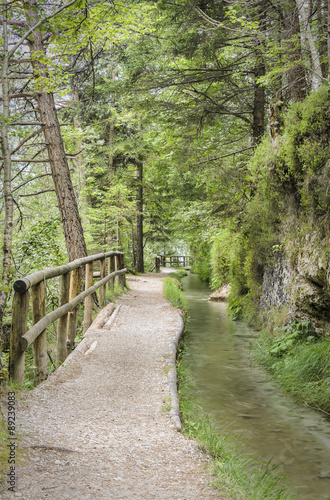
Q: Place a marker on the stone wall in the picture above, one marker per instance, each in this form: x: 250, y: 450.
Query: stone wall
x: 302, y: 285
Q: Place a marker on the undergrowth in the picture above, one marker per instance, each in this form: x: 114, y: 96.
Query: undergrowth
x: 173, y: 293
x: 235, y: 472
x: 299, y: 362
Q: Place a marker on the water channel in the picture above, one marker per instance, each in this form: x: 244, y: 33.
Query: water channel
x: 243, y: 402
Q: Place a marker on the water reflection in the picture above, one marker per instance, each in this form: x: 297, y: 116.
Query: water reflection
x: 243, y: 401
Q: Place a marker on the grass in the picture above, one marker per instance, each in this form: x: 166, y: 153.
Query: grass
x: 181, y: 273
x: 303, y: 369
x: 174, y: 294
x: 235, y: 472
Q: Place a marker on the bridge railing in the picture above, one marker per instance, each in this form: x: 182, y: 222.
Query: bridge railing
x: 111, y: 265
x: 172, y: 260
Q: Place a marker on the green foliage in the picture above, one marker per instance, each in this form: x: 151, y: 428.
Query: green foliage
x: 201, y: 262
x: 174, y: 294
x: 299, y: 362
x: 292, y: 333
x: 40, y: 245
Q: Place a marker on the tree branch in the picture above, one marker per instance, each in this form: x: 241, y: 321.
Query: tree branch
x: 31, y: 30
x: 39, y: 192
x: 228, y: 154
x: 30, y: 180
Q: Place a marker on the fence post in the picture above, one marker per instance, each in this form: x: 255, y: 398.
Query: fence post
x: 75, y: 282
x: 89, y: 299
x: 117, y: 267
x: 111, y: 269
x: 157, y: 264
x: 62, y: 326
x: 40, y: 343
x: 122, y: 278
x: 102, y: 275
x: 18, y: 328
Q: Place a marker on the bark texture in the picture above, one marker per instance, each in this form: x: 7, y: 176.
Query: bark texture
x: 8, y: 198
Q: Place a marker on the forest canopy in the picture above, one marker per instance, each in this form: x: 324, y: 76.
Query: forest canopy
x: 187, y: 126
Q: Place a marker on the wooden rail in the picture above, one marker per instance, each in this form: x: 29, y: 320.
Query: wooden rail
x: 172, y: 260
x: 70, y: 296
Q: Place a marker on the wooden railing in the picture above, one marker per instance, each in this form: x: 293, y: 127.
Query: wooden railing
x: 70, y: 296
x: 172, y: 260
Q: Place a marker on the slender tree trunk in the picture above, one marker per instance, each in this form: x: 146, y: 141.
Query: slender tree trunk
x: 111, y: 136
x: 322, y: 23
x: 259, y: 101
x: 139, y: 260
x: 316, y: 64
x: 8, y: 198
x: 296, y: 74
x: 72, y: 227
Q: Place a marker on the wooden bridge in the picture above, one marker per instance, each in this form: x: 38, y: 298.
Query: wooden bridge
x: 172, y: 260
x: 111, y: 267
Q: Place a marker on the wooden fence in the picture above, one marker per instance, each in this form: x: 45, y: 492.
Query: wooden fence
x: 70, y: 296
x: 172, y: 260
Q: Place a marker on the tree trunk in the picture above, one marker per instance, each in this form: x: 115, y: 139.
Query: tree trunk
x: 296, y: 74
x: 322, y: 23
x: 259, y: 101
x: 139, y: 261
x: 72, y: 227
x: 316, y: 64
x: 111, y: 136
x: 8, y: 198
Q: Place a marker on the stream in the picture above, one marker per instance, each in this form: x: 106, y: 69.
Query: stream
x: 244, y: 403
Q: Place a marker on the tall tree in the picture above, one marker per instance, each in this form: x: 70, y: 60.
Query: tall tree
x: 8, y: 197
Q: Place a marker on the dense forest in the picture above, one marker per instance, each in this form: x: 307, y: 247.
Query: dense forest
x: 199, y: 127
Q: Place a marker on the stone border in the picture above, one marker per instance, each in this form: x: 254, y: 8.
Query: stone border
x: 172, y: 378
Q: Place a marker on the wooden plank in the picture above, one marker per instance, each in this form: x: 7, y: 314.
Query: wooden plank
x: 62, y: 326
x: 102, y: 289
x: 157, y: 264
x: 40, y: 343
x: 75, y: 283
x: 89, y: 299
x: 18, y: 329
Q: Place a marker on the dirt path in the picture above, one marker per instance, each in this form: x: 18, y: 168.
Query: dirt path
x: 97, y: 428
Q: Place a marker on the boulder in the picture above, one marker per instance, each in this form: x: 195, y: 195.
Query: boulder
x: 221, y: 294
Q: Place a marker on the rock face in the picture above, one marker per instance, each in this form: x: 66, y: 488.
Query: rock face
x: 275, y: 286
x: 303, y: 285
x: 221, y: 294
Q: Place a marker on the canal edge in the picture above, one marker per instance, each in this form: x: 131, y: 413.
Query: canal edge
x: 172, y: 377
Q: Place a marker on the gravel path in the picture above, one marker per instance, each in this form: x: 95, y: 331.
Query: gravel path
x: 97, y: 429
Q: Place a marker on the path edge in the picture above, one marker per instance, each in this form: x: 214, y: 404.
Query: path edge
x: 172, y: 377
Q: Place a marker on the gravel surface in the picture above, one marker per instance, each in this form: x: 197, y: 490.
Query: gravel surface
x: 97, y: 428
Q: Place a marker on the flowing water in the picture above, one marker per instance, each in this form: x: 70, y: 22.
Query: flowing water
x: 244, y: 403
